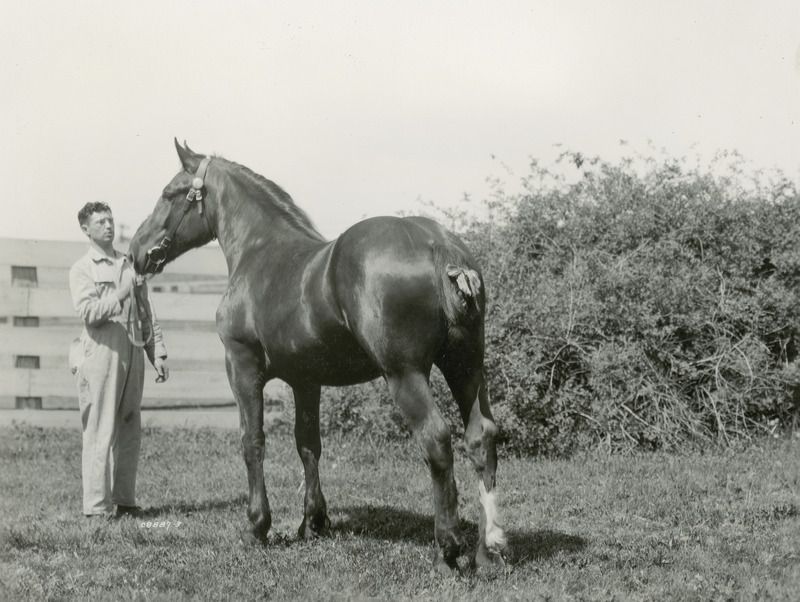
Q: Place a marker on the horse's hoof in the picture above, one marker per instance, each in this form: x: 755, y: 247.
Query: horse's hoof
x: 487, y: 559
x: 444, y: 568
x: 441, y: 570
x: 315, y: 529
x: 249, y: 539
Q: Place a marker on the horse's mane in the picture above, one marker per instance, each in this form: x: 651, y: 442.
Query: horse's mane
x: 277, y: 198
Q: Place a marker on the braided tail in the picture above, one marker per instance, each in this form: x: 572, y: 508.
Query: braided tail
x: 460, y: 287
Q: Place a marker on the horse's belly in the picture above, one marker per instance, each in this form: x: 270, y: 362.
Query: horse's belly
x: 335, y: 367
x: 348, y: 368
x: 351, y: 375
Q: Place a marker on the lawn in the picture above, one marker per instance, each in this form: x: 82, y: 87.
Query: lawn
x: 699, y: 526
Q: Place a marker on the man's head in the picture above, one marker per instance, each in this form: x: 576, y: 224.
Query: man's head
x: 97, y: 223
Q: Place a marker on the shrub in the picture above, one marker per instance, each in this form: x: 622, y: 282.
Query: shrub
x: 647, y: 304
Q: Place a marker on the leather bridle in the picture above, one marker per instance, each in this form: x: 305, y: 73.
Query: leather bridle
x: 157, y: 256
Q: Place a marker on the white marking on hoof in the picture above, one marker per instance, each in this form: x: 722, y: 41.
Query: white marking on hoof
x: 495, y: 536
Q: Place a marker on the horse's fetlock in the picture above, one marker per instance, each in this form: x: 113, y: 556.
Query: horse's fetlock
x: 260, y: 521
x: 452, y: 546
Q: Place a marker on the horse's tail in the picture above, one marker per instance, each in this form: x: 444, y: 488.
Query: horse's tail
x: 460, y: 287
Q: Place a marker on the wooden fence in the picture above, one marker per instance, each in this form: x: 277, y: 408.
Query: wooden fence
x: 38, y: 323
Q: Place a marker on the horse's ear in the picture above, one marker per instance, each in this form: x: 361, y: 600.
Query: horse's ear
x: 189, y: 159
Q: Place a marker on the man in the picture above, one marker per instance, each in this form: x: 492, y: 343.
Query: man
x: 108, y: 363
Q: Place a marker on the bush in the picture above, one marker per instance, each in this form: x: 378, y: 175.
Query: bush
x: 657, y: 306
x: 648, y: 304
x: 365, y: 409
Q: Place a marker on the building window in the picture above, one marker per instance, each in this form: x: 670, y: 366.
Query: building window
x: 157, y: 289
x: 23, y: 276
x: 29, y: 321
x: 174, y: 288
x: 26, y: 361
x: 29, y: 403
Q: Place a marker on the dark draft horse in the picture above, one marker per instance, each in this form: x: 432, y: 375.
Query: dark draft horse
x: 390, y: 297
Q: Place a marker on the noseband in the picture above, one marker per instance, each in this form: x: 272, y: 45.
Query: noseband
x: 157, y: 256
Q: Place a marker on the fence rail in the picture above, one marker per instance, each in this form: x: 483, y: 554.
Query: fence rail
x: 57, y: 303
x: 38, y: 323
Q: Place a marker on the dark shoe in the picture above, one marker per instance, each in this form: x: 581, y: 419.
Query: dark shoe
x: 134, y: 511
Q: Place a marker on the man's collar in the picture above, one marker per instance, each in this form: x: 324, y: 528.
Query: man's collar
x: 97, y: 255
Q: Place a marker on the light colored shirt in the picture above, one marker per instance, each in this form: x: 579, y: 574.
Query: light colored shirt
x: 93, y: 283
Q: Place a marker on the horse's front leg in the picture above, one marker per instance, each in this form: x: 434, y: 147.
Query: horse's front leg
x: 246, y: 367
x: 309, y: 446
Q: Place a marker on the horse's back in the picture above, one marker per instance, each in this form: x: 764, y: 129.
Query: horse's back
x: 400, y: 238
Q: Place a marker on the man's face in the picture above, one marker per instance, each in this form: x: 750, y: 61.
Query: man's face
x: 100, y: 228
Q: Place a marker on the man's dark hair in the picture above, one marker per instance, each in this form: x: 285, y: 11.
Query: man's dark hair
x: 89, y: 208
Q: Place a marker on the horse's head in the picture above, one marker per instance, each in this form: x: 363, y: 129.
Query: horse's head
x: 180, y: 220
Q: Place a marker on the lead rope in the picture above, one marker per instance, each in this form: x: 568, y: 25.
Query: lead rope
x: 133, y: 314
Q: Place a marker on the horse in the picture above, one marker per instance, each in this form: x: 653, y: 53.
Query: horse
x: 390, y: 297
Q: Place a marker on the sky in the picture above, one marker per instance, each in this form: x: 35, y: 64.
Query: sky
x: 360, y: 108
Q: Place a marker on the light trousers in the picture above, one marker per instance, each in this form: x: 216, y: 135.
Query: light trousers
x: 110, y: 376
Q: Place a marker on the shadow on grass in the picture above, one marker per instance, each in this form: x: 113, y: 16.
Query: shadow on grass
x: 392, y: 524
x: 188, y: 508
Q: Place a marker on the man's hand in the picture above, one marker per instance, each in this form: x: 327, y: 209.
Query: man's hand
x: 124, y: 289
x: 160, y: 364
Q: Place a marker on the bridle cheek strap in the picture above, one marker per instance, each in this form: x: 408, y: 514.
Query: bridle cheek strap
x: 157, y: 256
x: 196, y: 194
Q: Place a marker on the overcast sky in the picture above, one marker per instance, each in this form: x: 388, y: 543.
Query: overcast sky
x: 360, y: 108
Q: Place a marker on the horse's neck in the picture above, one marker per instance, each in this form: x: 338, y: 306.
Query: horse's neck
x: 251, y: 225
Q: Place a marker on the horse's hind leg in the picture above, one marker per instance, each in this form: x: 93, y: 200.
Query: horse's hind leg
x: 246, y: 369
x: 412, y: 393
x: 466, y: 381
x: 309, y: 446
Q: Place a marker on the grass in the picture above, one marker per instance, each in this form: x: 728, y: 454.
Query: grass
x: 722, y: 525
